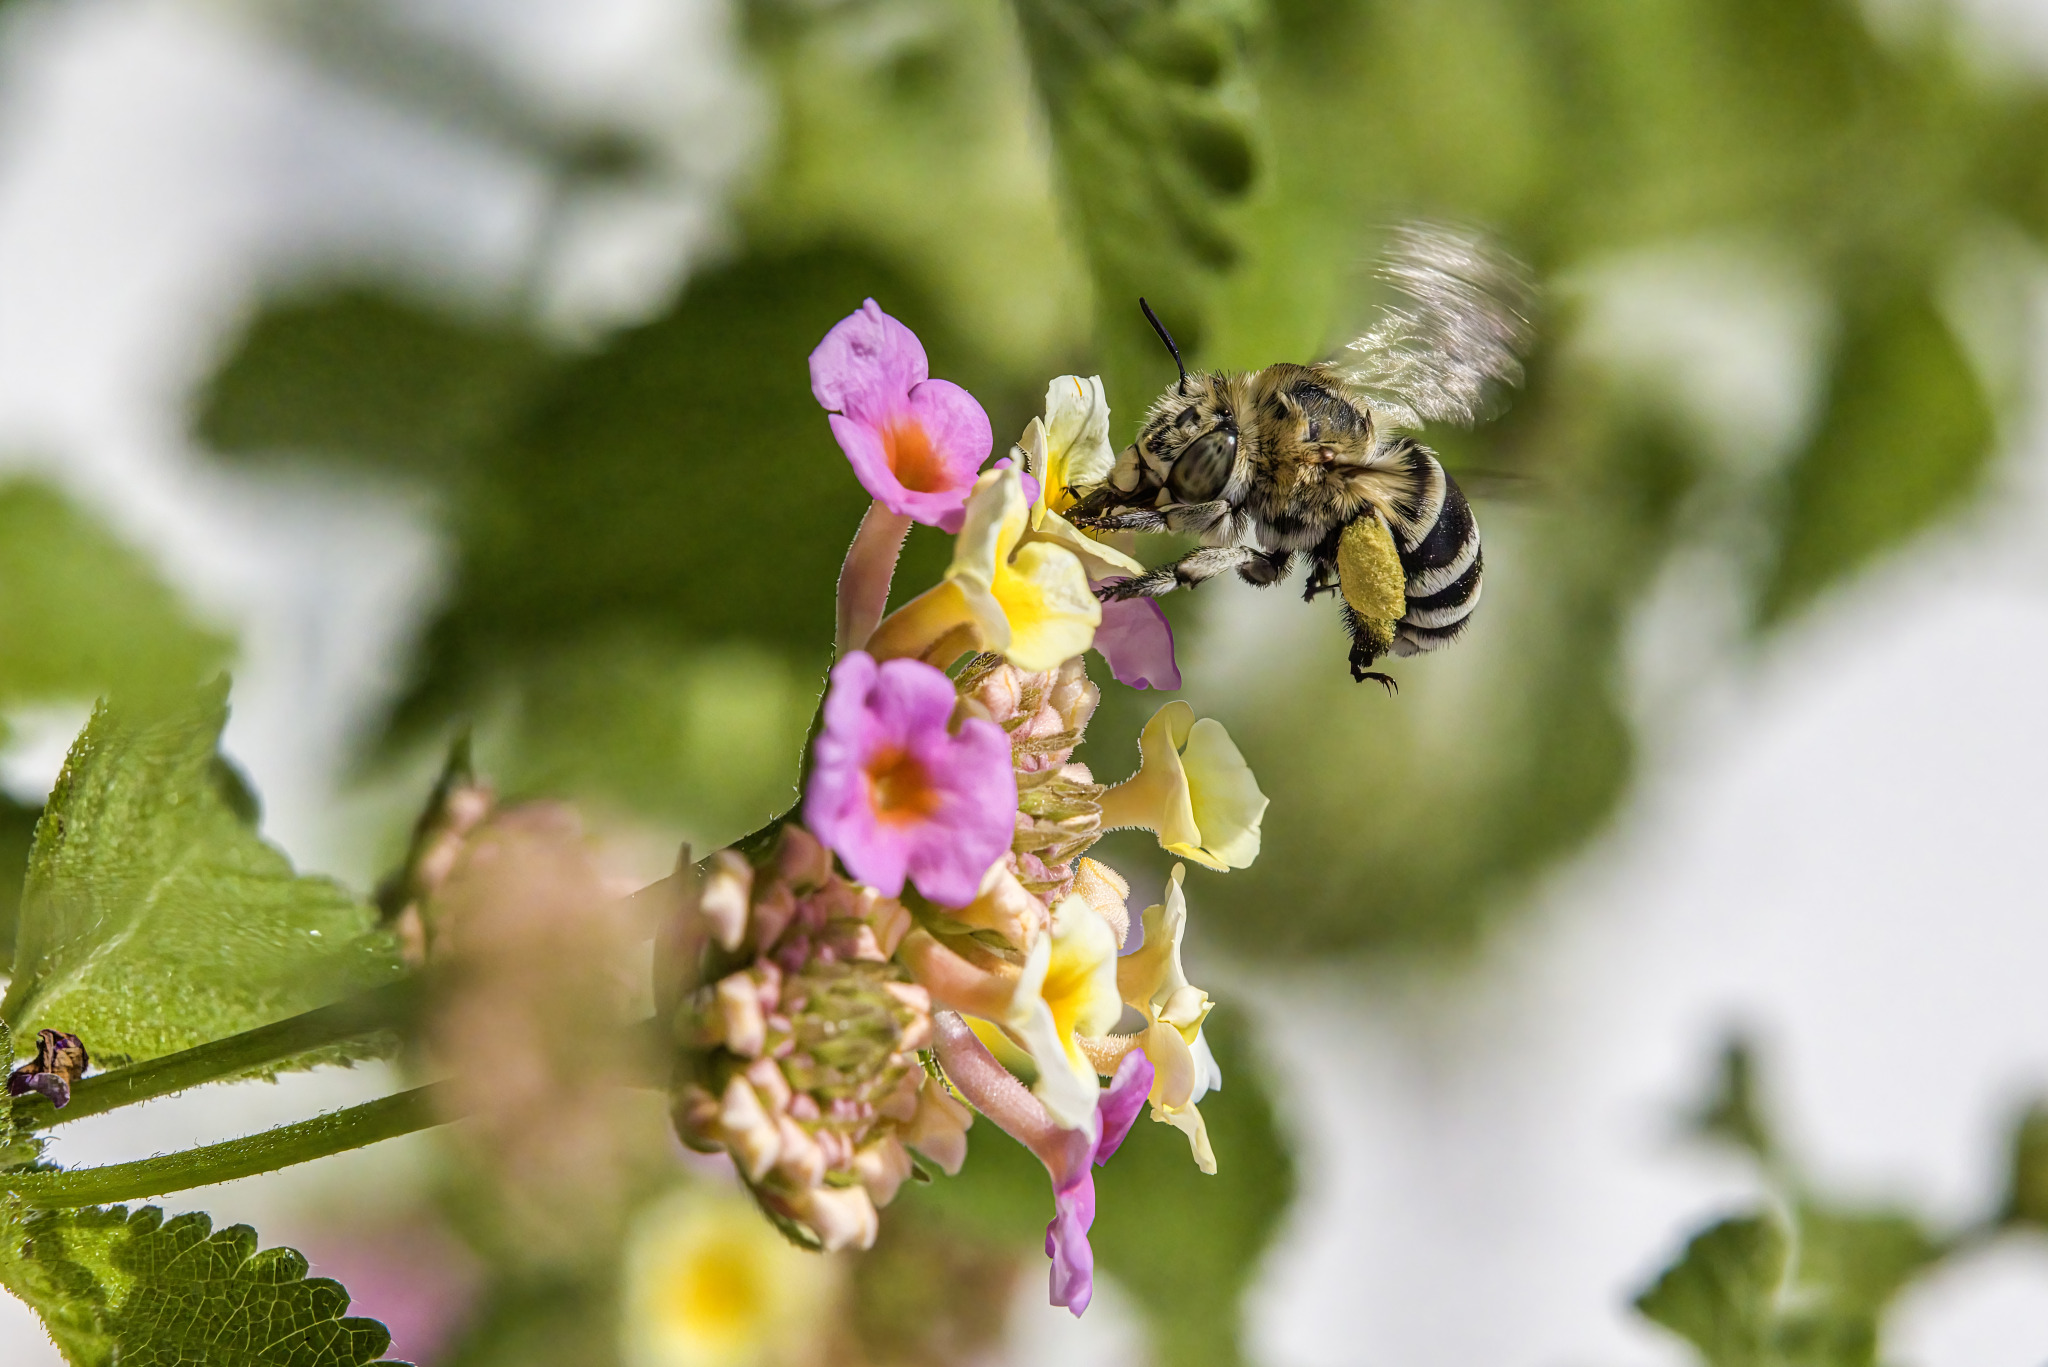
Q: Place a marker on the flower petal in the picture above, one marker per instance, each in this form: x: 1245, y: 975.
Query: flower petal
x: 1137, y: 640
x: 896, y: 794
x: 1173, y: 1064
x: 1188, y: 1120
x: 1157, y: 797
x: 956, y: 440
x: 1121, y: 1103
x: 1046, y: 600
x: 1099, y: 559
x: 1072, y: 1282
x: 866, y: 365
x: 1077, y: 438
x: 1228, y: 806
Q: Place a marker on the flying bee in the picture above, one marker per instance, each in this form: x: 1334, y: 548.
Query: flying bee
x: 1310, y: 461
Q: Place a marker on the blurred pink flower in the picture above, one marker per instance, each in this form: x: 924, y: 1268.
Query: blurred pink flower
x: 894, y: 792
x: 1137, y: 641
x: 916, y: 443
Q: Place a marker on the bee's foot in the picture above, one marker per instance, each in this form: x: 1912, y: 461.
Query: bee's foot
x: 1361, y: 675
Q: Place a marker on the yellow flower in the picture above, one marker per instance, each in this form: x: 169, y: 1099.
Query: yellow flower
x: 709, y: 1283
x: 1152, y: 980
x: 1065, y: 987
x: 1067, y: 449
x: 1193, y: 789
x: 1068, y: 988
x: 1025, y: 598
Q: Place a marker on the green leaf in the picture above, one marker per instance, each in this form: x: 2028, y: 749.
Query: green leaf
x: 154, y: 918
x: 2026, y: 1192
x: 1721, y: 1295
x: 1906, y: 436
x: 1729, y: 1294
x: 137, y: 1290
x: 1850, y: 1266
x: 1733, y: 1112
x: 363, y: 375
x: 1150, y: 155
x: 81, y: 614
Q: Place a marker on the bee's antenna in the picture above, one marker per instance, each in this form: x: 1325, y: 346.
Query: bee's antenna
x: 1167, y: 338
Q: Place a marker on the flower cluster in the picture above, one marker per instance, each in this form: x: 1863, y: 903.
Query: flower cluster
x: 805, y: 1056
x: 927, y: 928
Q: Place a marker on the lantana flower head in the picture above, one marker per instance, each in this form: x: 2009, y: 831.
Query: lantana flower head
x: 896, y: 790
x: 916, y: 444
x: 1025, y: 599
x: 1193, y: 789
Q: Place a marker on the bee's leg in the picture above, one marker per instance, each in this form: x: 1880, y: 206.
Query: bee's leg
x: 1129, y: 520
x: 1322, y: 571
x: 1364, y: 650
x: 1196, y: 518
x: 1184, y: 573
x: 1267, y: 568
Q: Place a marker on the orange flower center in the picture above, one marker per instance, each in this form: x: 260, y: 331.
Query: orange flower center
x: 899, y: 788
x: 916, y: 464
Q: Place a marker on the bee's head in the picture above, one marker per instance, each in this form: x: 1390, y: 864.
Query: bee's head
x: 1201, y: 442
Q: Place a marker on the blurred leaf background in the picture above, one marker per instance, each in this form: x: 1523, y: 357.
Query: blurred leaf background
x: 645, y: 521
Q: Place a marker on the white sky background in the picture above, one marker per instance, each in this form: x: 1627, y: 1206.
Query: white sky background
x: 1837, y: 843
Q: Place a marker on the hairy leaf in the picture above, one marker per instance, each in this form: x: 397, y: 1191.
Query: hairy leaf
x: 154, y: 917
x: 139, y: 1291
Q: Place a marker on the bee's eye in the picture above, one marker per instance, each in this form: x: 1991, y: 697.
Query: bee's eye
x: 1201, y: 471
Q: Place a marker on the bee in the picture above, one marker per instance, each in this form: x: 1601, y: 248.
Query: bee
x: 1312, y: 462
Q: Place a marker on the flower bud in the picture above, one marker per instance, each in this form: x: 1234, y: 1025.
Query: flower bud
x: 810, y: 1051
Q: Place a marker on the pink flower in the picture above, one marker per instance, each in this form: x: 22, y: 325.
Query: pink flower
x: 1137, y: 641
x: 1069, y: 1155
x: 916, y: 443
x: 894, y: 792
x: 1066, y: 1238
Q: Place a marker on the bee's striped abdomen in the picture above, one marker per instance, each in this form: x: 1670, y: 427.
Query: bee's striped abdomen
x: 1440, y: 555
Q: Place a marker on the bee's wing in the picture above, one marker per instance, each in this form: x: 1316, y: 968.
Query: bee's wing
x: 1455, y: 342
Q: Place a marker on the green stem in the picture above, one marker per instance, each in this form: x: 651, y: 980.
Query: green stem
x: 384, y: 1008
x: 386, y: 1118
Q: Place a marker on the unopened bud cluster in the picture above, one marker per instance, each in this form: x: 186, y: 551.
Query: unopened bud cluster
x: 1045, y: 714
x: 802, y: 1050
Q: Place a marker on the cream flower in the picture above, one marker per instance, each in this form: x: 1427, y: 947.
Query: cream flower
x: 1151, y: 979
x: 1193, y: 789
x: 1068, y: 449
x: 708, y: 1283
x: 1022, y: 597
